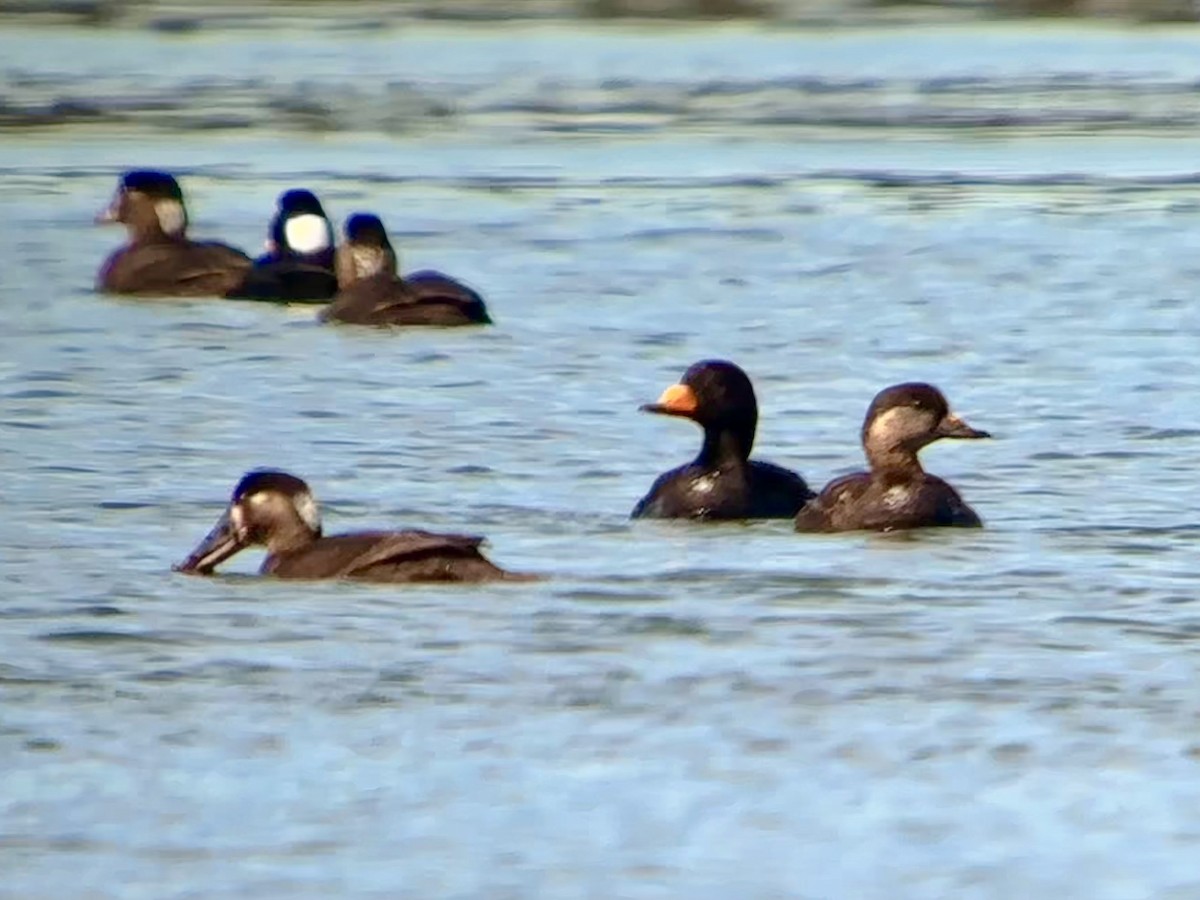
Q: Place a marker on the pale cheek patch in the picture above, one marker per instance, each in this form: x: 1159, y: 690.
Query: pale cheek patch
x: 171, y: 216
x: 366, y: 262
x: 237, y: 519
x: 307, y: 233
x: 306, y: 506
x: 888, y: 428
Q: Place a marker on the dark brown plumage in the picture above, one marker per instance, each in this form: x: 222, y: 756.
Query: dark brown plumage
x: 278, y: 511
x: 897, y: 493
x: 160, y: 259
x: 371, y: 293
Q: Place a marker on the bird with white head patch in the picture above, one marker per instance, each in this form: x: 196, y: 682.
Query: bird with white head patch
x: 160, y: 259
x: 897, y: 493
x: 298, y: 264
x: 277, y: 510
x: 371, y: 291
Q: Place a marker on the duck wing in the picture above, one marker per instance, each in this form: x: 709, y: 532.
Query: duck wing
x: 390, y: 556
x: 834, y: 508
x: 285, y: 280
x: 175, y: 269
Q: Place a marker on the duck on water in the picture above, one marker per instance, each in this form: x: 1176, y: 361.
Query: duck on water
x: 277, y: 510
x: 160, y: 259
x: 722, y: 482
x: 897, y: 493
x: 298, y: 264
x: 370, y: 292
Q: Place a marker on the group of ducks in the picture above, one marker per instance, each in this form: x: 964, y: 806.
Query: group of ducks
x: 277, y: 510
x: 358, y: 282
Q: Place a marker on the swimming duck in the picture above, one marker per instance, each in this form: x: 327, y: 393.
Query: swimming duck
x: 371, y: 293
x: 160, y: 259
x: 277, y: 510
x: 722, y: 482
x: 896, y: 493
x: 298, y: 264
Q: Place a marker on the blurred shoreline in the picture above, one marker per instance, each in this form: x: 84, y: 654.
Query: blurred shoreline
x: 181, y: 17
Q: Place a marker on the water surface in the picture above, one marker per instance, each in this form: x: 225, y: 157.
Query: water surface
x: 1009, y: 212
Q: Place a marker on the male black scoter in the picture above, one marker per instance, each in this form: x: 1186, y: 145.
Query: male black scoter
x: 722, y: 482
x: 278, y: 511
x: 298, y: 264
x: 371, y: 293
x: 896, y: 493
x: 160, y: 259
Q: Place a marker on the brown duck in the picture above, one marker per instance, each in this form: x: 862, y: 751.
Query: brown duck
x: 896, y: 493
x: 371, y: 293
x: 160, y: 259
x: 277, y: 510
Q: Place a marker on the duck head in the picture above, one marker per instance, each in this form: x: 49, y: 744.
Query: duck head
x: 268, y: 508
x: 148, y: 203
x: 718, y: 396
x: 904, y: 418
x: 366, y: 251
x: 300, y: 227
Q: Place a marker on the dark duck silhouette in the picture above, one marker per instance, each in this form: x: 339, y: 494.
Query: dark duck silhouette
x: 722, y: 482
x: 278, y: 511
x: 371, y: 293
x: 160, y: 259
x: 298, y: 264
x: 896, y: 493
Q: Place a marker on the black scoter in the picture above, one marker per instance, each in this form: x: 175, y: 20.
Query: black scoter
x: 722, y: 482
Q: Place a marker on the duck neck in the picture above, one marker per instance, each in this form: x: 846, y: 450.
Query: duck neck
x: 891, y: 464
x: 290, y: 536
x: 147, y: 230
x: 725, y: 446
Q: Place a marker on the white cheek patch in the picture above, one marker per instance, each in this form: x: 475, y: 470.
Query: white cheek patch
x: 171, y: 216
x: 307, y: 233
x: 306, y: 506
x: 237, y: 519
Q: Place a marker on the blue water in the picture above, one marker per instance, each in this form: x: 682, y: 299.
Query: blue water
x: 1012, y: 213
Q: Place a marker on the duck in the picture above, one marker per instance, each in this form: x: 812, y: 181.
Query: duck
x: 298, y: 264
x: 160, y: 259
x: 370, y: 292
x: 722, y: 482
x: 897, y: 493
x: 277, y: 510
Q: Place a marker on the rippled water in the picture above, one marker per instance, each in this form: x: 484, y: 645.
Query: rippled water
x: 1011, y: 213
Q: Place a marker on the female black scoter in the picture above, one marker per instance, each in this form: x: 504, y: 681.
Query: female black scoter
x: 160, y: 259
x: 278, y: 511
x: 722, y: 482
x: 371, y: 293
x: 298, y: 264
x: 897, y: 493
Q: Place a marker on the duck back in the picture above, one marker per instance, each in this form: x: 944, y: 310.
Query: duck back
x: 390, y: 556
x: 758, y: 490
x: 860, y: 502
x: 174, y: 268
